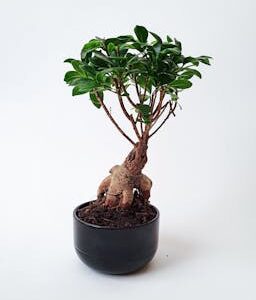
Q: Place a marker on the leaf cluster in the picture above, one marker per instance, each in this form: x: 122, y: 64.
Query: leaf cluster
x: 143, y: 60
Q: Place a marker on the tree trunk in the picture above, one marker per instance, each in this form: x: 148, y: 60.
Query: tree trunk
x: 118, y: 188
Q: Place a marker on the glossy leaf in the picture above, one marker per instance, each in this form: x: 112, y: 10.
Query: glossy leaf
x: 190, y: 73
x: 78, y: 66
x: 90, y: 46
x: 84, y: 87
x: 102, y: 57
x: 95, y: 100
x: 178, y: 44
x: 125, y: 38
x: 141, y: 33
x: 69, y: 60
x: 111, y: 48
x: 70, y: 76
x: 169, y: 39
x: 204, y: 59
x: 157, y: 37
x: 181, y: 84
x: 194, y: 61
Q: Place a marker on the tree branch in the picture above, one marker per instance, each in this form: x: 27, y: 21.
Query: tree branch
x: 160, y: 114
x: 137, y: 89
x: 153, y: 99
x: 139, y: 119
x: 129, y: 117
x: 128, y: 96
x: 121, y: 102
x: 113, y: 120
x: 145, y: 90
x: 171, y: 111
x: 159, y: 105
x: 141, y: 126
x: 135, y: 127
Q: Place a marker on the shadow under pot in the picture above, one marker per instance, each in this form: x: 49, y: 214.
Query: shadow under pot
x: 115, y: 250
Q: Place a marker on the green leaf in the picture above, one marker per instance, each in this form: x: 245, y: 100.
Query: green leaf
x: 89, y: 70
x: 169, y: 39
x: 165, y: 78
x: 157, y: 37
x: 204, y: 59
x: 84, y: 87
x: 181, y: 84
x: 174, y: 97
x: 135, y: 45
x: 141, y: 33
x: 114, y: 41
x: 178, y: 44
x: 102, y: 57
x: 174, y: 50
x: 95, y: 100
x: 145, y: 111
x: 194, y: 61
x: 100, y: 77
x: 144, y: 81
x: 190, y: 73
x: 125, y: 38
x: 98, y: 62
x: 78, y: 66
x: 69, y: 60
x: 70, y: 76
x: 90, y: 46
x: 78, y: 90
x: 111, y: 48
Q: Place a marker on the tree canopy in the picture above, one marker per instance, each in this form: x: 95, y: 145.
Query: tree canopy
x: 153, y: 66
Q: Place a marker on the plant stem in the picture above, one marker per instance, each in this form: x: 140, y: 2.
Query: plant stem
x: 159, y: 105
x: 135, y: 127
x: 137, y: 89
x: 127, y: 96
x: 129, y: 117
x: 171, y: 111
x: 113, y: 120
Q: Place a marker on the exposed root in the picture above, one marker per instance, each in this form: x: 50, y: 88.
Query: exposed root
x: 119, y: 186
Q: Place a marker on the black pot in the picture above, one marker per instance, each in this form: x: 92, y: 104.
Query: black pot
x: 113, y: 250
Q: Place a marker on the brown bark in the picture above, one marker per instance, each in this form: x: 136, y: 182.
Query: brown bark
x: 118, y: 187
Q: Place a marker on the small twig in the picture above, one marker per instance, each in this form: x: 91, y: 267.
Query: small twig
x: 159, y: 106
x: 138, y: 119
x: 141, y: 126
x: 129, y: 117
x: 161, y: 112
x: 128, y: 96
x: 153, y: 99
x: 113, y: 120
x: 122, y: 103
x: 145, y: 90
x: 137, y: 89
x: 171, y: 111
x: 135, y: 127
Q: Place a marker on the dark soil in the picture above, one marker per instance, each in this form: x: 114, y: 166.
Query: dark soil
x: 138, y: 213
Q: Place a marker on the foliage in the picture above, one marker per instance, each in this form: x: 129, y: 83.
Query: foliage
x: 144, y: 61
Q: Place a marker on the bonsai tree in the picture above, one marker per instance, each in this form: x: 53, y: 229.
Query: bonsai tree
x: 146, y: 75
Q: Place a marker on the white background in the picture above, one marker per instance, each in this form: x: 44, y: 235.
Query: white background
x: 55, y: 149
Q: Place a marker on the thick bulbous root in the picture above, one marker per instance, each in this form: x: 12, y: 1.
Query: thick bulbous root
x: 119, y: 186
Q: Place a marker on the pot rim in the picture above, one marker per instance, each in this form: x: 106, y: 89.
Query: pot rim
x: 113, y: 228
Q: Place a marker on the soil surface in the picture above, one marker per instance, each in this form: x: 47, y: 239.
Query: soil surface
x: 138, y: 213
